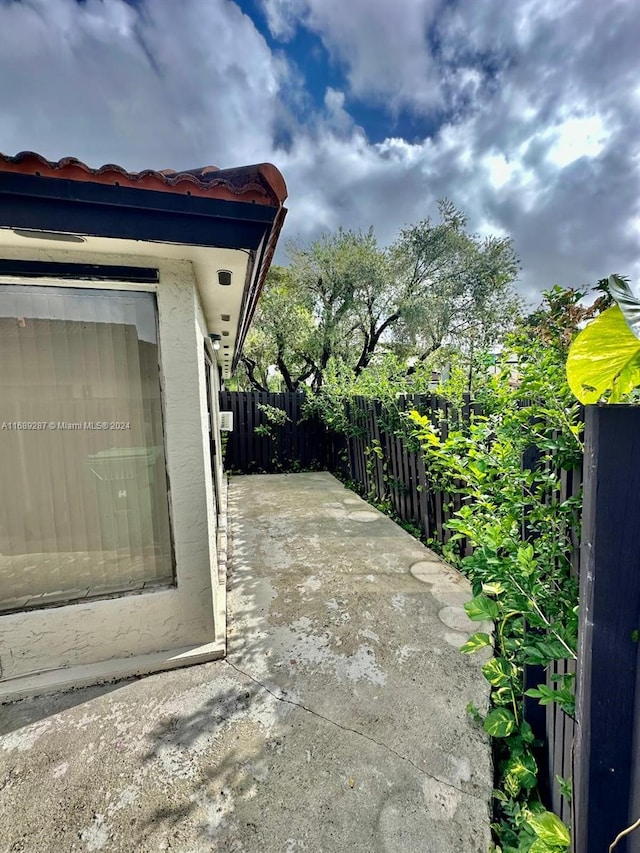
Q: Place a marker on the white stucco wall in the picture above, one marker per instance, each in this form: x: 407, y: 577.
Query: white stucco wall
x: 219, y: 472
x: 215, y: 394
x: 97, y: 638
x: 211, y: 484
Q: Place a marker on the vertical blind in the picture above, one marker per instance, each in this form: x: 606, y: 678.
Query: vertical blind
x: 83, y: 494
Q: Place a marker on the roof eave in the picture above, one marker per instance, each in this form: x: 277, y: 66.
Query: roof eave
x: 255, y: 283
x: 93, y: 209
x: 262, y: 183
x: 100, y: 210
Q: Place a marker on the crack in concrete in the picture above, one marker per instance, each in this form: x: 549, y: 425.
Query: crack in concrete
x: 11, y: 775
x: 354, y: 731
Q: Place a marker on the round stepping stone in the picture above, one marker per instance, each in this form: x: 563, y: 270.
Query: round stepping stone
x: 455, y: 639
x: 363, y: 515
x: 447, y: 596
x: 456, y: 618
x: 426, y: 571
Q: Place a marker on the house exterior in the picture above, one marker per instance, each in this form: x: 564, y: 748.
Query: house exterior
x: 125, y: 299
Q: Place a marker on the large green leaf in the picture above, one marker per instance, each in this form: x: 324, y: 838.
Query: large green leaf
x: 476, y: 642
x: 540, y: 846
x: 550, y: 829
x: 604, y: 357
x: 627, y: 302
x: 481, y: 608
x: 500, y: 722
x: 520, y: 772
x: 498, y: 672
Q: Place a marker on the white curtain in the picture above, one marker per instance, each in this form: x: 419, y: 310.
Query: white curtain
x: 83, y: 493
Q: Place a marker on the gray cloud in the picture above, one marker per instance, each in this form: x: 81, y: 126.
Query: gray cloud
x: 542, y: 118
x: 539, y: 110
x: 145, y: 87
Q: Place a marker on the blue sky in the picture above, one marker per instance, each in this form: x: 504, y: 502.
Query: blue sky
x: 306, y: 51
x: 526, y: 114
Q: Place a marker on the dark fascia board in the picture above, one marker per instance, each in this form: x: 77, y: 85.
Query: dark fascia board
x: 78, y: 272
x: 254, y: 284
x: 101, y: 210
x: 250, y: 284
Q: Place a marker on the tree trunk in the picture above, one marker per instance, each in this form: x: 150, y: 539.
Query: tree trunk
x: 284, y: 370
x: 372, y: 339
x: 251, y: 367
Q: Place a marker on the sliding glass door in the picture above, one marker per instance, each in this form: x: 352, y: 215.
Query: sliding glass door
x: 83, y: 492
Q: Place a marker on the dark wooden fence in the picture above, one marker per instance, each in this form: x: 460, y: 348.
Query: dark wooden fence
x: 257, y: 445
x: 606, y: 780
x: 388, y: 466
x: 599, y: 752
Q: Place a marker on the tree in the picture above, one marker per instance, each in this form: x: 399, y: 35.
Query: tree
x: 563, y: 313
x: 454, y: 287
x: 282, y: 336
x: 345, y: 278
x: 344, y: 298
x: 329, y: 303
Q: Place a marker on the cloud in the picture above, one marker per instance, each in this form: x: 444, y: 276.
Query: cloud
x: 531, y: 118
x: 380, y: 45
x: 539, y: 113
x: 144, y: 86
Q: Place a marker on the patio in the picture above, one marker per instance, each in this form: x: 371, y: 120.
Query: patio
x: 337, y: 722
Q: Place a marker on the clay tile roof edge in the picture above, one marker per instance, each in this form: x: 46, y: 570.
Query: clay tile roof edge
x: 262, y: 183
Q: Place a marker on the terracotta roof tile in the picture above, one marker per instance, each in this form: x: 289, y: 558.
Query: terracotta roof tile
x: 262, y: 184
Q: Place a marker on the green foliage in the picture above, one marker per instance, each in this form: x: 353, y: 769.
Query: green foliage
x: 476, y: 642
x: 564, y: 696
x: 531, y: 831
x: 456, y: 286
x: 524, y: 587
x: 566, y: 787
x: 481, y: 608
x: 274, y: 416
x: 550, y: 831
x: 281, y: 337
x: 604, y: 359
x: 385, y: 381
x: 556, y: 322
x: 500, y: 722
x: 344, y: 299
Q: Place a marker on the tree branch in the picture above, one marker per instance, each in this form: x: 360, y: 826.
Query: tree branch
x: 251, y: 366
x: 371, y: 341
x: 284, y: 370
x: 422, y: 358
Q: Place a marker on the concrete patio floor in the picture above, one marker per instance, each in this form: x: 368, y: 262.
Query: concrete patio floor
x: 336, y: 723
